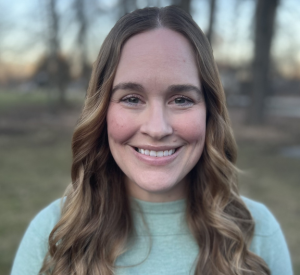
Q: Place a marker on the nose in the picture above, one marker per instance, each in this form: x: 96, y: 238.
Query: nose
x: 156, y: 122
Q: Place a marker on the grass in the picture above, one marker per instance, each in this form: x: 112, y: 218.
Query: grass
x: 34, y: 165
x: 35, y: 169
x: 34, y: 172
x: 9, y: 98
x: 43, y: 98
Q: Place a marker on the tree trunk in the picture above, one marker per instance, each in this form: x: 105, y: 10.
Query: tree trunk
x: 81, y: 17
x: 264, y: 26
x: 127, y: 6
x: 53, y: 29
x: 184, y: 4
x: 62, y: 94
x: 54, y: 49
x: 211, y: 20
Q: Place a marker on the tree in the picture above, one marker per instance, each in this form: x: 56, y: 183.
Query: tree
x: 184, y: 4
x: 211, y: 20
x: 127, y: 6
x: 57, y: 69
x: 82, y: 39
x: 264, y: 29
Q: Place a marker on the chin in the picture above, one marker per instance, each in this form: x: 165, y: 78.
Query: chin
x: 155, y: 187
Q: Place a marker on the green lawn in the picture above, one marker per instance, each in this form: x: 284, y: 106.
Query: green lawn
x: 35, y: 145
x: 10, y: 99
x: 35, y: 169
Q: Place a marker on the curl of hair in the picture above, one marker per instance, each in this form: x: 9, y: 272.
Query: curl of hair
x: 96, y: 222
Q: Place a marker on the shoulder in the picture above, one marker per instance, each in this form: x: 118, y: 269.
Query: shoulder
x: 265, y: 222
x: 34, y: 244
x: 268, y: 240
x: 47, y: 218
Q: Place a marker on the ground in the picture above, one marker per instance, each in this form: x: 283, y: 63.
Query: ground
x: 35, y: 161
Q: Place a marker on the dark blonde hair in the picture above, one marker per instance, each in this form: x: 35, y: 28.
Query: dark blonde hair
x: 96, y: 221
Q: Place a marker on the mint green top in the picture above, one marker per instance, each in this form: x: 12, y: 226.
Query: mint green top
x: 170, y: 249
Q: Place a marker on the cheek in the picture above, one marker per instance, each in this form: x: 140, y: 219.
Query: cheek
x: 120, y: 126
x: 192, y: 128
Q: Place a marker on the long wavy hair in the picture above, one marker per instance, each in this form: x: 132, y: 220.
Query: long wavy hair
x: 96, y: 222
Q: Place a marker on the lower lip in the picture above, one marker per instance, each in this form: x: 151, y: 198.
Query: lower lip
x: 156, y: 161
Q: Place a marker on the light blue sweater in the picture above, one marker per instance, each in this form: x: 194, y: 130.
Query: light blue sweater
x: 171, y: 249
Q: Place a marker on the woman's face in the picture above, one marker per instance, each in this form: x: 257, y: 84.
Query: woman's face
x: 156, y: 118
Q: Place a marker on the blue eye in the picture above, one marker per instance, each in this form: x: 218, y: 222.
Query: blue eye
x: 183, y: 101
x: 131, y: 100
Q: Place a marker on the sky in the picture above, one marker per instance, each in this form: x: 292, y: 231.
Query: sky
x: 22, y: 35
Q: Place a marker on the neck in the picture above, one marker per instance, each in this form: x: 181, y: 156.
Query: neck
x: 177, y: 193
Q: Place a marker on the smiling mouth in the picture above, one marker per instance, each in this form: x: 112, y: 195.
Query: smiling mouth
x: 158, y: 154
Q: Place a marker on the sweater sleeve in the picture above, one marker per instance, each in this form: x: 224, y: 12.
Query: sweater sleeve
x: 273, y: 249
x: 34, y: 245
x: 268, y: 240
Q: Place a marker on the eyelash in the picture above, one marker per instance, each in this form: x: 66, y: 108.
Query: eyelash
x: 124, y: 99
x: 189, y: 101
x: 187, y: 104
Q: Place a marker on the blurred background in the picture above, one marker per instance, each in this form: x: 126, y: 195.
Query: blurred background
x: 47, y: 49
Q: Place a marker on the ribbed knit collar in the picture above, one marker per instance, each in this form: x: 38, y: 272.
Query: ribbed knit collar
x: 158, y: 207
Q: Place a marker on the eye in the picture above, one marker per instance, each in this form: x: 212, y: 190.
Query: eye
x: 131, y: 100
x: 183, y: 101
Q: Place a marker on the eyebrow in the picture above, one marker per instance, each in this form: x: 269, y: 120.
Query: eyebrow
x: 184, y: 88
x: 172, y: 88
x: 128, y: 86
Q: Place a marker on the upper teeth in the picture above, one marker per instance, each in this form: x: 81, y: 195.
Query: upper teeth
x: 156, y: 153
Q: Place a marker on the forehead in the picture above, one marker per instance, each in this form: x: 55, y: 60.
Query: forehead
x: 157, y: 52
x: 160, y: 41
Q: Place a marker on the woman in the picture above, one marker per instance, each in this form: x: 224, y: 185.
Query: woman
x: 154, y: 185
